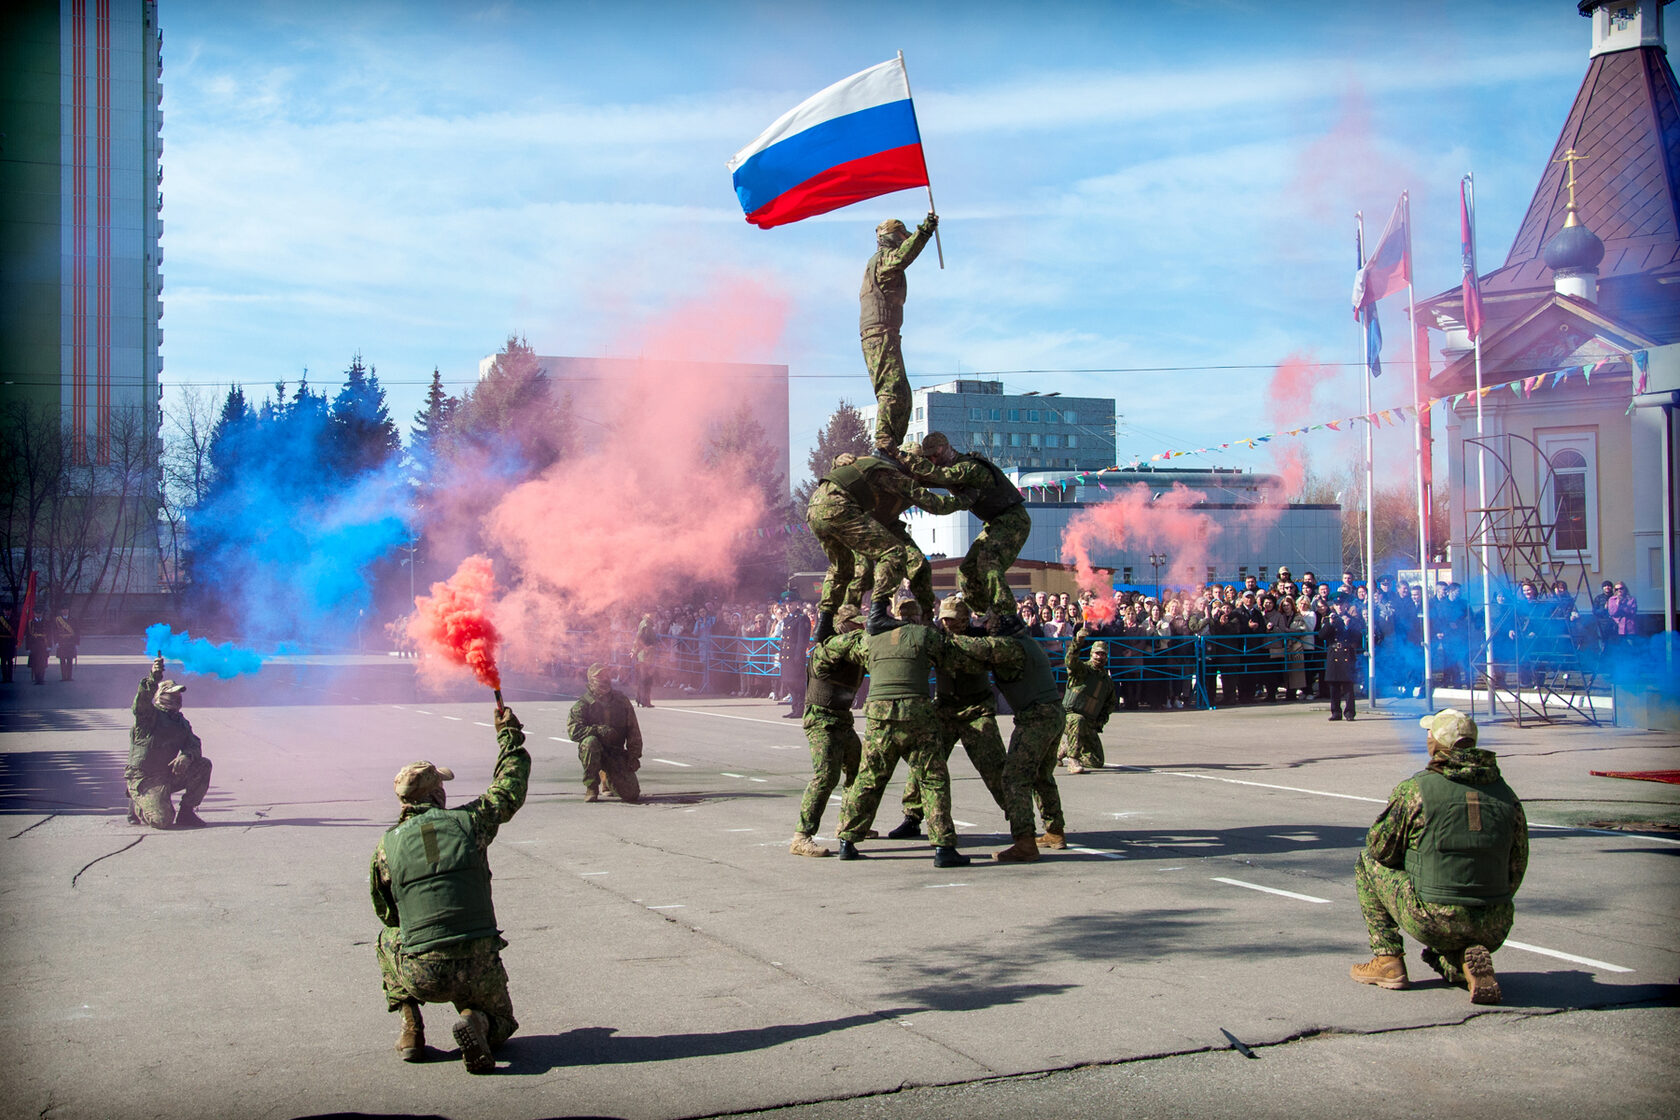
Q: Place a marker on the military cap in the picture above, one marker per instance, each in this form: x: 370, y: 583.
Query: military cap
x: 417, y: 781
x: 600, y: 676
x: 168, y: 696
x: 1449, y: 727
x: 954, y: 607
x: 892, y: 227
x: 910, y: 609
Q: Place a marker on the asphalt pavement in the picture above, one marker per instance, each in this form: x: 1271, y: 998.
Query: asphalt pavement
x: 671, y: 959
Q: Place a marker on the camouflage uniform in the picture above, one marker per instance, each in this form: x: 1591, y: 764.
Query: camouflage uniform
x: 880, y: 318
x: 1388, y: 891
x: 967, y: 711
x: 835, y: 749
x: 156, y: 739
x: 982, y: 577
x: 467, y: 972
x: 917, y: 570
x: 1090, y: 688
x: 849, y: 524
x: 1029, y: 767
x: 903, y: 727
x: 604, y: 727
x: 647, y: 643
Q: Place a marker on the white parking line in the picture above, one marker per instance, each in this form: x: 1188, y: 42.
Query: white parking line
x: 1605, y: 965
x: 726, y: 715
x: 1095, y: 852
x: 668, y: 762
x: 942, y: 886
x: 758, y: 779
x: 1271, y: 890
x: 740, y: 830
x: 1261, y: 785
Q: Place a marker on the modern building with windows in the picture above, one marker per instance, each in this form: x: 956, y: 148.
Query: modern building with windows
x: 1017, y: 431
x: 1581, y: 474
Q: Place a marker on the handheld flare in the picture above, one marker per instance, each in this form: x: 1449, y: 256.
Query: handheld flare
x: 499, y: 704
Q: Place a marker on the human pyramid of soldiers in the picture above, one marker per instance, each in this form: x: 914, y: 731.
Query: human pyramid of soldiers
x: 1441, y: 863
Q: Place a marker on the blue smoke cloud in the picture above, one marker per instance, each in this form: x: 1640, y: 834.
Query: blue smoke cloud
x: 198, y: 655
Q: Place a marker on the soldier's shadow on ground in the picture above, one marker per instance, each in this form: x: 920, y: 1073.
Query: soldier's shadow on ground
x: 1339, y: 842
x: 62, y: 781
x: 591, y: 1046
x: 1571, y: 989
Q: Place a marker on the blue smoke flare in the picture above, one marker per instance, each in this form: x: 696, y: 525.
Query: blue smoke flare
x: 200, y: 655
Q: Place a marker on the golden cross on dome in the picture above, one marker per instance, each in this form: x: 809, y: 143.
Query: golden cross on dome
x: 1570, y: 158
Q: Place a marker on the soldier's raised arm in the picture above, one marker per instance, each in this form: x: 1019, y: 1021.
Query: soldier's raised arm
x: 497, y: 805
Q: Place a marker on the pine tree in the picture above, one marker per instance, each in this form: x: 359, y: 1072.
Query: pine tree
x: 844, y: 432
x: 514, y: 410
x: 363, y: 436
x: 432, y: 422
x: 227, y: 437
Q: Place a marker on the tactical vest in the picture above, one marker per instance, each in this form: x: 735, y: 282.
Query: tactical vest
x: 899, y: 661
x: 1093, y: 698
x: 441, y: 880
x: 837, y: 689
x: 881, y: 306
x: 1463, y: 857
x: 853, y: 478
x: 1037, y: 682
x: 962, y: 690
x: 990, y: 500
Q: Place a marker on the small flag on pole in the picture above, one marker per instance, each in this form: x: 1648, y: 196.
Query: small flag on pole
x: 1467, y: 250
x: 1390, y: 266
x: 855, y: 140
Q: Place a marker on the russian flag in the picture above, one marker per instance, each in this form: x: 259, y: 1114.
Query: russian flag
x: 855, y: 140
x: 1390, y: 267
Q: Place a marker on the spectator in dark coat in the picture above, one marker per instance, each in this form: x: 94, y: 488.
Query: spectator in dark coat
x: 796, y: 638
x: 1343, y: 637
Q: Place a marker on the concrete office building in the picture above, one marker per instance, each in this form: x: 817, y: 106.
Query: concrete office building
x: 1024, y: 431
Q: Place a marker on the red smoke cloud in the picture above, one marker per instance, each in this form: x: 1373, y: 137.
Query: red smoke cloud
x: 1135, y: 519
x: 453, y: 622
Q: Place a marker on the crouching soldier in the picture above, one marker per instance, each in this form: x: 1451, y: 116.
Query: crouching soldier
x: 1443, y: 863
x: 431, y: 888
x: 164, y: 757
x: 608, y: 738
x: 1089, y: 701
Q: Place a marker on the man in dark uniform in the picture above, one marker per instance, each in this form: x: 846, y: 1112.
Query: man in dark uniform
x: 1089, y: 701
x: 8, y: 643
x: 64, y: 639
x: 796, y: 637
x: 430, y: 880
x: 609, y: 740
x: 836, y: 671
x: 982, y: 577
x: 1443, y: 863
x: 40, y: 649
x: 164, y: 757
x: 881, y: 317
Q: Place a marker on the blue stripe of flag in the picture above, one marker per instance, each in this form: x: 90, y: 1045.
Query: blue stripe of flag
x: 787, y: 163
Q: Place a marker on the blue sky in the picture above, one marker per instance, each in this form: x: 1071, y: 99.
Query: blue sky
x: 1135, y: 187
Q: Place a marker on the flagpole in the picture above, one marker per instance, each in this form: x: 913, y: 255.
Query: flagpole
x: 938, y: 245
x: 1417, y: 446
x: 1481, y: 451
x: 1370, y: 483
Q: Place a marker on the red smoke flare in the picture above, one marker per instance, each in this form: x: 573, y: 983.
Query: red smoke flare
x: 453, y: 623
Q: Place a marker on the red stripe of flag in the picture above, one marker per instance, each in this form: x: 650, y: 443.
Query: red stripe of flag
x: 895, y: 169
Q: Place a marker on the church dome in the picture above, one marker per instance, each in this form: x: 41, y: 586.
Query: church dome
x: 1574, y: 248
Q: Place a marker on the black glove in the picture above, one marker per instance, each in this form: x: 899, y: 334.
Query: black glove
x: 506, y: 719
x: 931, y: 222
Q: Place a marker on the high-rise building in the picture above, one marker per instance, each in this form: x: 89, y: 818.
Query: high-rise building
x: 80, y: 200
x: 1017, y: 431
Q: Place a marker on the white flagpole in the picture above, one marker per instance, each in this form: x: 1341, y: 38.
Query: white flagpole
x: 938, y: 245
x: 1417, y: 446
x: 1370, y: 485
x: 1481, y: 453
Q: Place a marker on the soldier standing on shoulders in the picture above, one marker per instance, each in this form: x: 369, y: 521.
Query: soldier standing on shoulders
x: 836, y: 670
x: 881, y: 317
x: 982, y: 577
x: 164, y: 757
x: 1089, y: 700
x: 608, y: 738
x: 1443, y: 863
x: 903, y: 724
x: 430, y: 880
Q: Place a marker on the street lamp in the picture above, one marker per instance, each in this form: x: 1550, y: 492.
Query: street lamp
x: 1157, y: 560
x: 410, y: 560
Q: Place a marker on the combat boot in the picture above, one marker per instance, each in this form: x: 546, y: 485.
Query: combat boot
x: 1478, y: 967
x: 1384, y: 970
x: 591, y: 795
x: 948, y: 856
x: 803, y: 845
x: 1024, y: 850
x: 606, y: 783
x: 471, y: 1036
x: 411, y: 1040
x: 825, y: 626
x: 1053, y: 840
x: 848, y: 850
x: 186, y: 818
x: 908, y: 829
x: 1073, y: 766
x: 880, y: 616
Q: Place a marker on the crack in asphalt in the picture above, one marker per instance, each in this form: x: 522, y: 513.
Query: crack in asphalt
x: 95, y: 860
x: 37, y: 824
x: 1306, y: 1035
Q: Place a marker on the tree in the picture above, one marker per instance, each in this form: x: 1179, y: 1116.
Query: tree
x: 738, y: 443
x: 363, y: 436
x: 431, y: 424
x: 186, y: 473
x: 513, y: 410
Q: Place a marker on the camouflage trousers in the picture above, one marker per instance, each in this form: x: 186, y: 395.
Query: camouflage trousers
x: 843, y: 529
x: 915, y: 737
x: 982, y: 577
x: 916, y: 569
x: 1390, y: 903
x: 475, y: 981
x: 1029, y: 770
x: 836, y: 754
x: 883, y: 356
x: 1082, y: 742
x: 976, y: 728
x: 149, y: 800
x: 620, y: 768
x: 644, y: 679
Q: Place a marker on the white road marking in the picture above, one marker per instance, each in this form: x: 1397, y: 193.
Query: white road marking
x: 727, y: 774
x: 834, y: 798
x: 962, y: 824
x: 557, y: 739
x: 1271, y: 890
x: 758, y: 779
x: 1606, y: 832
x: 1095, y: 852
x: 668, y: 762
x: 942, y: 886
x: 668, y: 906
x: 480, y: 723
x: 726, y: 715
x: 457, y: 719
x: 1262, y: 785
x: 587, y: 874
x: 1605, y: 965
x: 1169, y: 869
x: 740, y: 830
x: 418, y: 712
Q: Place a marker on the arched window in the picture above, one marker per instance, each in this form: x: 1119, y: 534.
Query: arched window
x: 1571, y: 501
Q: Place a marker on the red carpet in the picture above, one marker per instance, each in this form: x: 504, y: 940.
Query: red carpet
x: 1671, y: 776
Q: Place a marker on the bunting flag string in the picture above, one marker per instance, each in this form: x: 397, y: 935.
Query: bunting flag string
x: 1522, y: 387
